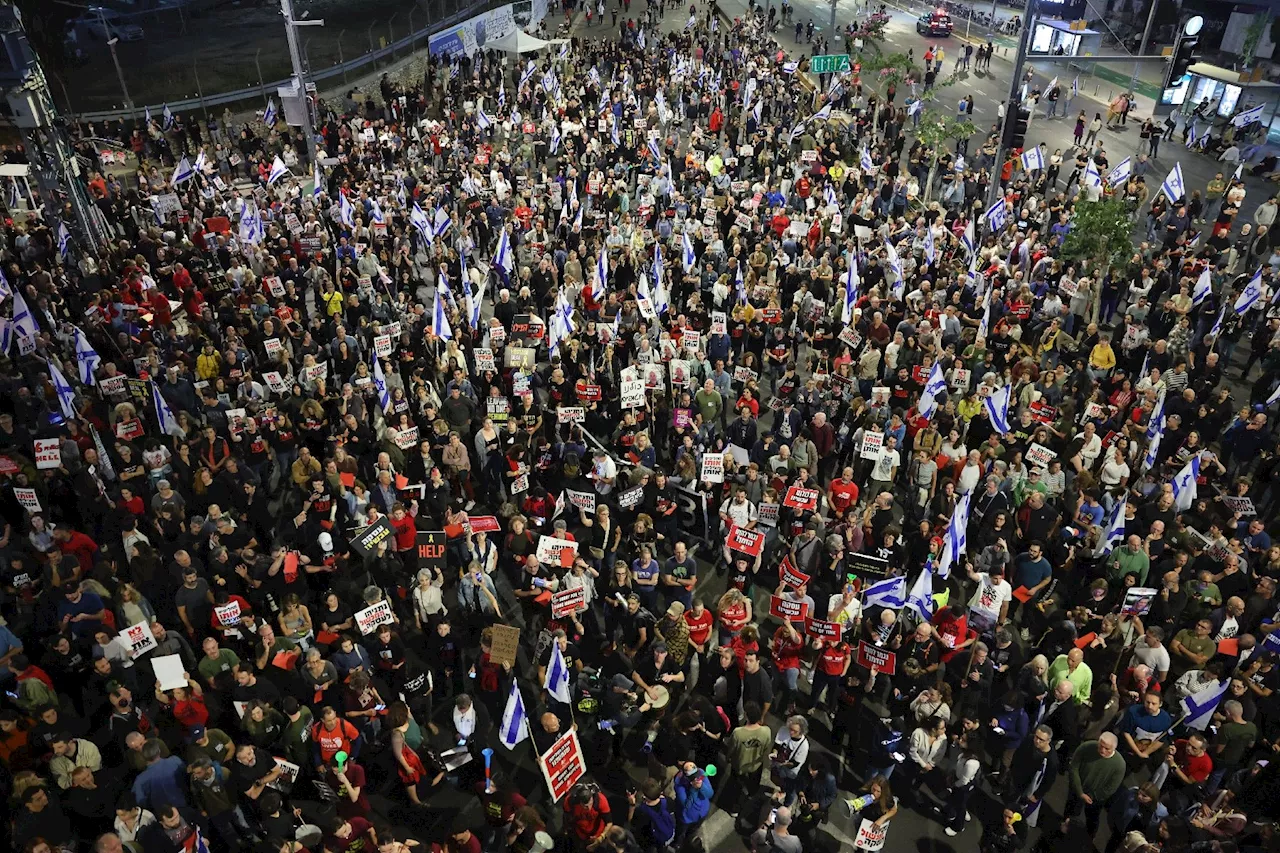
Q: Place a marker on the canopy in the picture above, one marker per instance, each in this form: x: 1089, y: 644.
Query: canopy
x: 518, y: 41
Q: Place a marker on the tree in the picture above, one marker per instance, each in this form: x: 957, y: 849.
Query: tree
x: 935, y: 131
x: 1101, y: 232
x: 879, y: 72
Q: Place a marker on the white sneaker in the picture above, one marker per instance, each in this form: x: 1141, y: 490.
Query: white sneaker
x: 967, y: 817
x: 951, y: 832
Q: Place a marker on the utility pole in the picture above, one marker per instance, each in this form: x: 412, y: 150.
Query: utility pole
x: 1142, y: 48
x: 1014, y: 103
x: 833, y: 24
x: 111, y: 43
x: 299, y: 72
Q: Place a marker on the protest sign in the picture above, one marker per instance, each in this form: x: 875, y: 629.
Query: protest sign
x: 1039, y: 455
x: 882, y: 659
x: 138, y: 639
x: 820, y: 629
x: 505, y: 645
x: 804, y: 500
x: 563, y: 765
x: 632, y: 394
x: 26, y: 497
x: 571, y: 414
x: 48, y: 453
x: 787, y: 609
x: 585, y: 501
x: 556, y: 552
x: 366, y: 541
x: 790, y: 575
x: 374, y: 615
x: 1137, y: 600
x: 871, y: 443
x: 767, y: 514
x: 431, y: 548
x: 713, y: 467
x: 747, y: 541
x: 1244, y: 506
x: 567, y: 602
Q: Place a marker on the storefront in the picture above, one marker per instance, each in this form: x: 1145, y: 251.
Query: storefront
x: 1062, y: 38
x: 1227, y: 92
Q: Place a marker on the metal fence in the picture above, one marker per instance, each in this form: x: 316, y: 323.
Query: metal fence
x: 366, y: 63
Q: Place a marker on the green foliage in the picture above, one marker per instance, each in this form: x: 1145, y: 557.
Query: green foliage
x: 936, y: 129
x: 896, y: 68
x: 1101, y: 231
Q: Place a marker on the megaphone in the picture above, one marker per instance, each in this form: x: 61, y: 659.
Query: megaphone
x: 542, y: 842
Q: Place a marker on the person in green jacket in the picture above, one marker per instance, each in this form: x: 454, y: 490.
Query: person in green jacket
x: 1129, y: 559
x: 1097, y: 772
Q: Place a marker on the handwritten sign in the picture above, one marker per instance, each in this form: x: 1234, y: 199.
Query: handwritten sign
x: 48, y: 453
x: 371, y: 617
x: 632, y: 394
x: 556, y: 552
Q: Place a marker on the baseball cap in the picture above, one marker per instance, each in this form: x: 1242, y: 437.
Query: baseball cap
x: 195, y: 733
x: 659, y: 647
x: 326, y: 541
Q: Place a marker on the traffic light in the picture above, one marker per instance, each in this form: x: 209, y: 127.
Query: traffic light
x: 1015, y: 129
x: 1185, y: 54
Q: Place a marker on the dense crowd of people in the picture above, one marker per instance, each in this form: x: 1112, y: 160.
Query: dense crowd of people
x: 733, y: 397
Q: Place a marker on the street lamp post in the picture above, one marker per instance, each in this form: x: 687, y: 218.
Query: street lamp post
x: 1142, y: 49
x: 111, y: 43
x: 1014, y: 103
x: 299, y: 72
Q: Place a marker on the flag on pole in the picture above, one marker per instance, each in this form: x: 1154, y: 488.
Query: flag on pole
x: 182, y: 172
x: 440, y: 320
x: 934, y: 386
x: 482, y: 119
x: 1184, y: 484
x: 1204, y: 286
x: 1216, y: 329
x: 269, y: 115
x: 921, y: 597
x: 278, y: 171
x: 1121, y: 172
x: 1275, y: 395
x: 1248, y: 116
x: 969, y: 239
x: 1033, y: 159
x: 1075, y: 86
x: 66, y: 396
x: 1251, y: 294
x: 557, y: 679
x: 851, y: 282
x: 741, y: 285
x: 86, y: 357
x: 996, y: 215
x: 318, y: 177
x: 515, y: 721
x: 602, y: 275
x: 1173, y: 187
x: 689, y: 258
x: 168, y: 117
x: 822, y: 115
x: 890, y: 592
x: 64, y: 240
x: 346, y: 212
x: 164, y: 415
x: 380, y: 384
x: 503, y: 258
x: 1198, y: 708
x: 956, y: 539
x: 998, y: 409
x: 1113, y: 533
x: 1091, y: 176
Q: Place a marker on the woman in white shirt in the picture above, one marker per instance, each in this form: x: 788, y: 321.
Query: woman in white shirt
x: 928, y: 745
x: 1115, y: 470
x: 428, y: 598
x: 1090, y: 448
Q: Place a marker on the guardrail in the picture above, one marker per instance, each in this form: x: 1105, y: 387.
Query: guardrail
x: 259, y: 91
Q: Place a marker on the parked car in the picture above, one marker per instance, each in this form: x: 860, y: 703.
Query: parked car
x: 935, y: 23
x: 108, y: 24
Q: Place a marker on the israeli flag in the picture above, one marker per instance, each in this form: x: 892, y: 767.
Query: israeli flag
x: 758, y: 111
x: 442, y: 222
x: 318, y: 178
x: 689, y: 258
x: 86, y: 357
x: 823, y: 114
x: 1191, y: 134
x: 24, y: 322
x: 1275, y: 395
x: 1053, y: 84
x: 555, y: 138
x: 1121, y: 172
x: 419, y: 220
x: 440, y: 320
x: 1075, y: 87
x: 895, y: 263
x: 345, y: 212
x: 1217, y: 324
x: 1248, y: 116
x: 504, y: 257
x: 168, y: 117
x: 269, y: 115
x: 641, y: 40
x: 1156, y: 421
x: 66, y: 396
x: 969, y: 239
x: 956, y: 539
x: 1113, y: 533
x: 168, y: 423
x: 659, y: 290
x: 1091, y: 176
x: 13, y: 195
x: 442, y: 285
x: 613, y: 132
x: 865, y: 162
x: 851, y: 282
x: 577, y: 220
x: 515, y: 722
x: 201, y: 160
x: 934, y: 386
x: 1199, y: 706
x: 278, y: 171
x: 602, y: 275
x: 741, y: 286
x: 1033, y: 159
x: 655, y: 150
x: 1252, y: 293
x: 483, y: 120
x: 914, y: 107
x: 829, y: 194
x: 182, y: 173
x: 529, y: 69
x: 549, y: 81
x: 1204, y: 286
x: 998, y: 409
x: 64, y: 240
x: 1184, y: 484
x: 996, y: 215
x: 557, y: 680
x: 795, y: 133
x: 564, y: 51
x: 594, y: 76
x: 890, y: 592
x: 921, y: 597
x: 1174, y: 187
x: 1203, y: 141
x: 375, y: 212
x: 502, y: 96
x: 928, y: 244
x: 146, y: 114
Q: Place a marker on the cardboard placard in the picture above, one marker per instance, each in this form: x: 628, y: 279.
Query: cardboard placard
x: 366, y: 541
x: 138, y: 639
x: 567, y: 602
x: 804, y: 500
x: 788, y: 610
x: 169, y: 671
x: 556, y: 552
x: 960, y: 379
x: 821, y: 629
x: 382, y: 345
x: 691, y: 341
x: 746, y: 541
x: 371, y: 617
x: 882, y: 659
x: 407, y: 438
x: 850, y: 338
x: 713, y: 467
x: 505, y: 645
x: 48, y: 453
x: 563, y: 765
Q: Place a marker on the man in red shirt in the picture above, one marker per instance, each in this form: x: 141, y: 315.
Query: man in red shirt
x: 700, y: 621
x: 1188, y: 762
x: 350, y: 836
x: 833, y: 664
x: 842, y: 494
x: 586, y: 814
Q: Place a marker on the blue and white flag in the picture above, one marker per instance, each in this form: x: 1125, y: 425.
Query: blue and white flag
x: 1121, y: 172
x: 998, y: 409
x: 641, y: 40
x: 1113, y: 532
x: 1204, y: 286
x: 502, y: 96
x: 146, y: 114
x: 164, y: 415
x: 1155, y: 423
x: 996, y: 215
x: 318, y: 177
x: 345, y: 212
x: 920, y: 598
x: 655, y: 151
x: 202, y: 160
x: 1191, y: 134
x: 1075, y: 87
x: 504, y: 258
x: 515, y: 722
x: 1216, y: 329
x: 440, y: 320
x: 1033, y: 159
x: 602, y: 275
x: 969, y: 240
x: 66, y: 395
x: 822, y: 114
x: 933, y: 387
x: 795, y: 133
x: 890, y: 592
x: 741, y: 285
x: 1198, y: 708
x: 482, y: 119
x: 1203, y: 141
x: 64, y: 240
x: 375, y: 213
x: 1091, y: 176
x: 200, y: 846
x: 442, y: 222
x: 1250, y: 115
x: 928, y: 244
x: 660, y: 298
x: 851, y: 282
x: 1184, y: 484
x: 689, y: 258
x: 865, y: 162
x: 278, y: 171
x: 555, y: 138
x: 168, y: 117
x: 956, y: 540
x: 557, y: 680
x: 380, y: 383
x: 1275, y: 395
x: 564, y: 51
x: 914, y: 106
x: 758, y: 111
x: 1251, y: 294
x: 614, y: 135
x: 182, y: 172
x: 418, y: 219
x: 528, y: 72
x: 1173, y: 186
x: 87, y: 359
x: 269, y: 115
x: 24, y: 322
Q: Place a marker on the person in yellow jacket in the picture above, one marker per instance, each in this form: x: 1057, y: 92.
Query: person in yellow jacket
x: 332, y: 300
x: 208, y: 363
x: 1102, y: 359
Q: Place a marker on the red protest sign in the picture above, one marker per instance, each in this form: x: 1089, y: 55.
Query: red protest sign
x: 824, y: 630
x: 563, y: 765
x: 805, y: 500
x: 882, y: 659
x: 483, y: 524
x: 785, y: 608
x: 747, y: 541
x: 789, y: 574
x: 567, y: 602
x: 589, y: 393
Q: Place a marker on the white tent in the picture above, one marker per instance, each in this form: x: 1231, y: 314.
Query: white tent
x: 518, y: 41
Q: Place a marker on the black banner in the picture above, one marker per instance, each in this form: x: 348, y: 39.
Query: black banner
x: 366, y: 541
x: 431, y: 550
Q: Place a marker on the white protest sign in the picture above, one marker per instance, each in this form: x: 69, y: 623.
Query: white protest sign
x: 371, y: 617
x: 484, y: 360
x: 571, y: 414
x: 407, y: 438
x: 169, y: 671
x: 871, y: 444
x: 272, y: 347
x: 1039, y: 455
x: 632, y: 393
x: 27, y: 498
x: 275, y: 381
x: 48, y: 453
x: 582, y: 500
x: 719, y: 323
x: 382, y: 345
x: 713, y: 467
x: 138, y: 639
x: 556, y: 552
